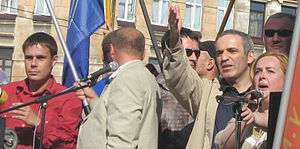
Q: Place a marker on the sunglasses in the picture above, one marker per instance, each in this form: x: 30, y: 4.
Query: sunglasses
x: 281, y: 33
x: 189, y: 52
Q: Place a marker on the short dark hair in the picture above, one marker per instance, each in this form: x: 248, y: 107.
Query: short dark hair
x: 43, y: 39
x: 106, y: 48
x: 184, y: 32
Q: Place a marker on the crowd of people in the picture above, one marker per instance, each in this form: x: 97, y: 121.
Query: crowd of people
x: 140, y: 106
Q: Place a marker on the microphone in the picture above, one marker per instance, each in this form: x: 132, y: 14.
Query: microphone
x: 3, y: 96
x: 112, y: 66
x: 257, y: 94
x: 236, y: 99
x: 252, y: 100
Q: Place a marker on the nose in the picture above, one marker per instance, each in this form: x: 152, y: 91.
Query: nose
x: 276, y: 37
x: 193, y: 57
x: 262, y: 75
x: 224, y: 56
x: 33, y: 62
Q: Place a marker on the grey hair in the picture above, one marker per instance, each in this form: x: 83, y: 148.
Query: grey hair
x: 247, y: 40
x: 282, y: 15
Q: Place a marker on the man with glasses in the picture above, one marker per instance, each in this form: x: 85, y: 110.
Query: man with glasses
x: 278, y: 32
x: 176, y: 122
x: 190, y: 43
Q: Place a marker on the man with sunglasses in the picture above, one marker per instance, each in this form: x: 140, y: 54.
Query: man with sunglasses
x: 234, y: 54
x: 190, y: 43
x: 278, y: 32
x: 176, y: 122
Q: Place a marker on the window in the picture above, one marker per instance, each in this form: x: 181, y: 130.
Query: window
x: 256, y: 21
x: 222, y: 8
x: 9, y: 6
x: 290, y: 10
x: 41, y: 7
x: 193, y: 14
x: 126, y: 10
x: 160, y: 12
x: 6, y: 60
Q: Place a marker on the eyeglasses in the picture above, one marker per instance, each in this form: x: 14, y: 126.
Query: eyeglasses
x: 281, y: 33
x: 189, y: 52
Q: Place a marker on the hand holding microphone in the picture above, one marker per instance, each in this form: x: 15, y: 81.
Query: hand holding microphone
x: 86, y: 93
x: 249, y: 111
x: 112, y: 66
x: 250, y: 102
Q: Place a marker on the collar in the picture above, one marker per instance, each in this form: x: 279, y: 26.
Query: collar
x: 23, y: 87
x: 114, y: 74
x: 225, y: 87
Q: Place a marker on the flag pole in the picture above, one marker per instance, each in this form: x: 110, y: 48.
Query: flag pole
x: 66, y: 50
x: 284, y: 103
x: 228, y: 11
x: 153, y: 39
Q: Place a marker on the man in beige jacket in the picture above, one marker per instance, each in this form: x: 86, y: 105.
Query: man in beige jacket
x: 234, y: 55
x: 127, y: 113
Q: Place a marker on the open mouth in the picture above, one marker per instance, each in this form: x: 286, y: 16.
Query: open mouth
x: 262, y: 86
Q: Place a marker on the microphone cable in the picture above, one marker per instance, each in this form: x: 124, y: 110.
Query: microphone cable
x: 36, y: 124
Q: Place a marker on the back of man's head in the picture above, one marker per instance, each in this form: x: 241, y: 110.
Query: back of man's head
x: 129, y: 40
x: 207, y: 60
x: 43, y: 39
x: 247, y: 40
x: 106, y: 48
x: 208, y: 46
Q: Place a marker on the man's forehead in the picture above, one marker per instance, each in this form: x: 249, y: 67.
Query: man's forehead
x: 229, y: 39
x: 279, y: 22
x: 37, y: 48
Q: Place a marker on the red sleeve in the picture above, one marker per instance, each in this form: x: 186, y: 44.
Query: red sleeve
x: 63, y: 117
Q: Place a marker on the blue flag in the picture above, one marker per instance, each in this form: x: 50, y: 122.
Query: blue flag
x: 86, y: 16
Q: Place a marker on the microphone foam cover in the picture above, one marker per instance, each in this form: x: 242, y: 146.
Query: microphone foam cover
x: 3, y: 96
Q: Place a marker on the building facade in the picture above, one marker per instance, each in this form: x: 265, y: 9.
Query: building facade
x: 20, y: 18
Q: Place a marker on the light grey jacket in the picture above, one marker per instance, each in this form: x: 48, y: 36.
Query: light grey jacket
x: 127, y: 114
x: 195, y: 94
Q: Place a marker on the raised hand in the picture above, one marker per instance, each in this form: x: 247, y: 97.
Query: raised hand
x: 175, y: 25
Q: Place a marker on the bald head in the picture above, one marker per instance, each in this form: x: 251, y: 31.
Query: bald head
x: 129, y: 40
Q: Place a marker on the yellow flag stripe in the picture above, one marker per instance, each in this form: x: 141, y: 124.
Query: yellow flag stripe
x: 107, y: 9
